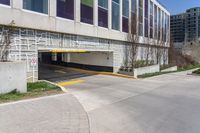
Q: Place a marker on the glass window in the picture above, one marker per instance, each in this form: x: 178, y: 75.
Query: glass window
x: 125, y: 15
x: 115, y: 14
x: 133, y: 16
x: 65, y: 9
x: 151, y: 19
x: 103, y: 13
x: 141, y: 17
x: 146, y: 18
x: 103, y: 3
x: 155, y: 22
x: 40, y: 6
x: 87, y: 11
x: 5, y: 2
x: 163, y: 26
x: 159, y: 23
x: 166, y: 19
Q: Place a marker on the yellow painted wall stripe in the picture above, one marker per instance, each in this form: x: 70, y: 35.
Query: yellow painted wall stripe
x: 70, y: 51
x: 102, y: 73
x: 67, y: 83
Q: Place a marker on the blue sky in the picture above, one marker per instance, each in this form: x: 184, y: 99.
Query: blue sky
x: 179, y: 6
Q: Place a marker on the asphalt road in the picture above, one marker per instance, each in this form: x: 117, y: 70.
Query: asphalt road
x: 59, y: 74
x: 164, y: 104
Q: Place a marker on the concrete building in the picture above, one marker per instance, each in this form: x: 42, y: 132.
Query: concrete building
x: 185, y: 27
x: 82, y: 33
x: 192, y: 28
x: 178, y: 27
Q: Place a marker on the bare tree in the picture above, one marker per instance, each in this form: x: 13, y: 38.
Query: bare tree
x: 148, y: 53
x: 133, y: 38
x: 172, y: 53
x: 5, y: 42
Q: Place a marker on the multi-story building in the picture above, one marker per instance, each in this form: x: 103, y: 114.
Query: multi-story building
x: 192, y: 24
x: 185, y: 27
x: 90, y: 33
x: 178, y: 28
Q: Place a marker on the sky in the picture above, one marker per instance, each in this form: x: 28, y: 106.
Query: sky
x: 179, y: 6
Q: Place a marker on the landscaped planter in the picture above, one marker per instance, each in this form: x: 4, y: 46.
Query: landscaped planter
x: 13, y: 77
x: 142, y: 70
x: 145, y: 70
x: 170, y: 69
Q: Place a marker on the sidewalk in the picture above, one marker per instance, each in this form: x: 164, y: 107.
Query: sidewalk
x: 53, y: 114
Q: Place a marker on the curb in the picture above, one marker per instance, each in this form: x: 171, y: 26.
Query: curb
x: 62, y: 88
x: 94, y: 72
x: 102, y: 73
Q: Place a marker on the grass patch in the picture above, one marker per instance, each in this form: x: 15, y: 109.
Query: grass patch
x: 153, y: 74
x: 40, y: 86
x: 33, y: 90
x: 180, y: 69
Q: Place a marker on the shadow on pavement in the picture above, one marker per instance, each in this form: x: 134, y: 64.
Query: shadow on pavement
x: 55, y: 73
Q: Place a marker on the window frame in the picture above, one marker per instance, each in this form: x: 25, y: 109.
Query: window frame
x: 87, y: 23
x: 103, y: 8
x: 35, y: 12
x: 62, y: 18
x: 113, y: 1
x: 8, y: 6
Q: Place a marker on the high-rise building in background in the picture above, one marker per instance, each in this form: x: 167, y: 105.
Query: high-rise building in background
x: 83, y: 33
x: 185, y: 27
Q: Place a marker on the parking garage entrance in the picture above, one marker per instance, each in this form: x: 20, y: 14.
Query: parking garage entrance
x: 50, y: 60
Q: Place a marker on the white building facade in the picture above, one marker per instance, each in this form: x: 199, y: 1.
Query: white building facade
x: 93, y: 33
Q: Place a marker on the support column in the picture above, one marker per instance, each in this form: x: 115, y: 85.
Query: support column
x: 109, y: 14
x: 16, y: 4
x: 77, y: 10
x: 120, y: 15
x: 95, y: 15
x: 52, y: 10
x: 129, y: 18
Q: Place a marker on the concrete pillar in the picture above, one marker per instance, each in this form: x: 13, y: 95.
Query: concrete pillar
x: 17, y: 4
x: 130, y: 3
x: 109, y: 14
x: 143, y: 16
x: 153, y: 21
x: 137, y: 13
x: 52, y: 10
x: 120, y: 15
x: 95, y: 15
x: 77, y: 10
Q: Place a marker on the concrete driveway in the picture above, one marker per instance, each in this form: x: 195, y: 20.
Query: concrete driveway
x: 164, y: 104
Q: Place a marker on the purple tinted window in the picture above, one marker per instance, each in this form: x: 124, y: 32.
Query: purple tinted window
x: 65, y: 9
x: 103, y: 17
x: 5, y: 2
x: 125, y: 24
x: 125, y: 16
x: 87, y: 11
x: 146, y: 18
x: 146, y: 28
x: 133, y: 23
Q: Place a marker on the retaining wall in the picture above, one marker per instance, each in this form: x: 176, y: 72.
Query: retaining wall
x: 13, y: 76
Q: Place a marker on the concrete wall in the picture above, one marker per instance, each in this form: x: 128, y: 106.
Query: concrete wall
x: 145, y: 70
x: 13, y: 76
x: 91, y: 58
x: 26, y: 43
x: 171, y: 69
x: 50, y: 22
